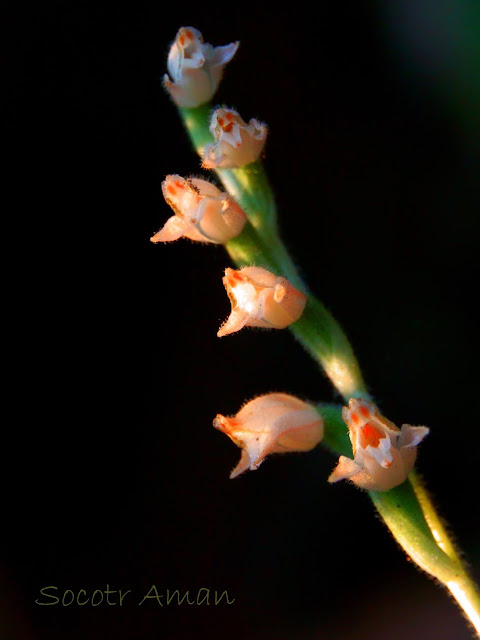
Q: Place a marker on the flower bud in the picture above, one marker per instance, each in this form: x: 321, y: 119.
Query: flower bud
x: 202, y: 212
x: 236, y: 142
x: 195, y: 68
x: 260, y: 299
x: 273, y: 423
x: 383, y: 454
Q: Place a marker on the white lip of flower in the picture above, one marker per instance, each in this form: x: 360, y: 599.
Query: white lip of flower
x: 259, y: 298
x: 236, y: 142
x: 273, y: 423
x: 196, y: 68
x: 383, y: 454
x: 202, y: 212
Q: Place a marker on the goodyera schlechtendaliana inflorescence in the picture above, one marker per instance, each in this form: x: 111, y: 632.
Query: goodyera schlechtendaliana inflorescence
x: 266, y: 291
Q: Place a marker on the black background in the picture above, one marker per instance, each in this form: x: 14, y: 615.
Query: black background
x: 114, y: 474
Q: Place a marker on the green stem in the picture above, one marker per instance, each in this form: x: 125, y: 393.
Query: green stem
x: 196, y: 122
x: 399, y: 507
x: 403, y: 514
x: 404, y: 517
x: 248, y: 248
x: 316, y: 330
x: 409, y: 514
x: 407, y: 509
x: 260, y: 243
x: 250, y: 187
x: 467, y: 596
x: 335, y: 436
x: 434, y: 521
x: 323, y: 337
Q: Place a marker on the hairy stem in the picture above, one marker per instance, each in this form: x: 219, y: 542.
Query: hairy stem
x: 316, y: 330
x: 407, y: 510
x: 414, y: 524
x: 250, y: 187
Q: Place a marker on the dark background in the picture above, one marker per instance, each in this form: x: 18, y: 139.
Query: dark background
x: 113, y: 472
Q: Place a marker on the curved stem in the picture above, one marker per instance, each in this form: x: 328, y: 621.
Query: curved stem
x: 434, y: 521
x: 196, y: 121
x: 316, y: 330
x: 323, y: 337
x: 404, y: 516
x: 250, y: 187
x: 407, y: 510
x: 468, y: 597
x: 248, y: 248
x: 415, y: 525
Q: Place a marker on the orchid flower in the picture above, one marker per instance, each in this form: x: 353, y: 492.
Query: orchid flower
x: 259, y: 298
x: 202, y: 212
x: 236, y: 142
x: 383, y: 454
x: 272, y: 423
x: 195, y: 68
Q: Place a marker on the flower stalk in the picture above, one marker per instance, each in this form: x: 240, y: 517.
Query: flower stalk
x: 406, y: 509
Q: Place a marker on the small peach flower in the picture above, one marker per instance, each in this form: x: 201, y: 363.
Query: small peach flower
x: 196, y: 68
x: 202, y: 212
x: 273, y: 423
x: 236, y: 142
x: 259, y: 298
x: 383, y: 454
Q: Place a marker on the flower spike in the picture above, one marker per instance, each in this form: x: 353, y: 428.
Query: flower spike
x: 273, y: 423
x: 259, y: 298
x: 383, y: 454
x: 202, y: 212
x: 236, y: 142
x: 195, y: 68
